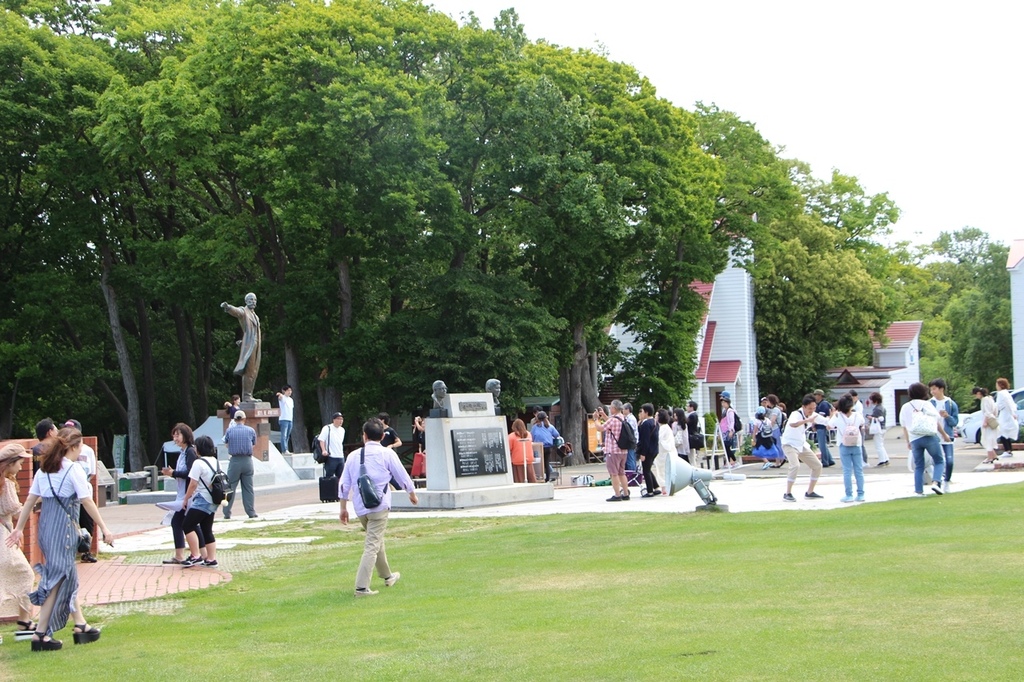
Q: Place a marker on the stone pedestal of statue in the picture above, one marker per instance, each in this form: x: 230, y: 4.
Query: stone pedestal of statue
x: 257, y: 415
x: 468, y: 462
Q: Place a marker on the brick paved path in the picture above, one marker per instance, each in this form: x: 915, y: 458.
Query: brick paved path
x: 113, y: 580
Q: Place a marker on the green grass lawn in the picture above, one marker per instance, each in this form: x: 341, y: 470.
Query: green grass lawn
x: 917, y: 589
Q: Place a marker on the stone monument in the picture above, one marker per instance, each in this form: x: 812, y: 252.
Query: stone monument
x: 468, y: 462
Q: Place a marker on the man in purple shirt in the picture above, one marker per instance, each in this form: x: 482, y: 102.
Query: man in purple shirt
x: 382, y: 466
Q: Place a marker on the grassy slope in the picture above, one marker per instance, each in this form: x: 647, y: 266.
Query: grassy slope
x: 925, y: 589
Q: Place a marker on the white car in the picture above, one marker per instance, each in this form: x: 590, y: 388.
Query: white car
x: 971, y: 429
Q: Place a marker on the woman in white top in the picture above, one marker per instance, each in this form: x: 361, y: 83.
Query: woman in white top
x: 679, y: 427
x: 989, y: 435
x: 848, y: 423
x: 921, y: 437
x: 200, y: 508
x: 1009, y: 428
x: 61, y: 484
x: 666, y: 446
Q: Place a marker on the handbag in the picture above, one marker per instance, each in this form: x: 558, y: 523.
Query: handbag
x: 991, y: 422
x: 922, y: 424
x: 367, y: 492
x: 876, y: 428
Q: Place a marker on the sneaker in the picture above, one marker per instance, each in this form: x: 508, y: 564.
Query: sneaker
x: 366, y: 592
x: 788, y: 497
x: 848, y: 498
x: 388, y: 582
x: 210, y: 564
x: 945, y: 487
x: 813, y: 496
x: 253, y: 517
x: 88, y: 558
x: 765, y: 466
x: 614, y: 498
x: 860, y: 498
x: 172, y: 560
x: 192, y: 561
x: 936, y: 488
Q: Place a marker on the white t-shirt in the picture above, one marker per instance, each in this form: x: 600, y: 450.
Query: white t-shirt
x: 907, y: 415
x: 334, y: 438
x: 796, y: 436
x: 70, y: 480
x: 87, y: 458
x: 287, y: 406
x: 203, y: 470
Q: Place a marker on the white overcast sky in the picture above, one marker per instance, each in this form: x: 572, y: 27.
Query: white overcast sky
x: 918, y: 99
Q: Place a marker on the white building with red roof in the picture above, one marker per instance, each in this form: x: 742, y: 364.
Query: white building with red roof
x: 1015, y: 264
x: 896, y: 366
x: 726, y: 344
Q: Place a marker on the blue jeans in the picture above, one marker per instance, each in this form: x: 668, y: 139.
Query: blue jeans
x: 631, y: 460
x: 947, y: 452
x: 918, y: 447
x: 286, y: 435
x: 826, y: 456
x: 853, y: 464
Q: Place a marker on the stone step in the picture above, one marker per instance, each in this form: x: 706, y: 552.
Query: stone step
x: 296, y: 460
x: 309, y: 473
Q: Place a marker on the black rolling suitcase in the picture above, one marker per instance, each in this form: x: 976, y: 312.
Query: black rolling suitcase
x: 328, y: 488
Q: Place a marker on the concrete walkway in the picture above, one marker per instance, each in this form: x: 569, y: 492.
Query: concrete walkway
x: 137, y: 529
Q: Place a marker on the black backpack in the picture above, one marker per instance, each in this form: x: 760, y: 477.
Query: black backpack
x: 737, y: 424
x: 626, y: 439
x: 318, y: 451
x: 218, y: 487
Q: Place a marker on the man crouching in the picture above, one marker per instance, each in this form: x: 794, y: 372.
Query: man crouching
x: 382, y: 465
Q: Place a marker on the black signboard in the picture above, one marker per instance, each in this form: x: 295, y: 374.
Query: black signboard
x: 479, y: 452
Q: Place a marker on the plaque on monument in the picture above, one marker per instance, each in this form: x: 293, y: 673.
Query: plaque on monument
x: 479, y: 452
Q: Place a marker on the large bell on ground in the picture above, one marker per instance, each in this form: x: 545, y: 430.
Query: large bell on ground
x: 679, y: 474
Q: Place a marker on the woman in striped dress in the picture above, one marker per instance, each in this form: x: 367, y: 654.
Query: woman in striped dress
x: 62, y: 485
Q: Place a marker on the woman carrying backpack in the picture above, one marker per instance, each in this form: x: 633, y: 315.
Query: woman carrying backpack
x: 727, y: 425
x: 200, y: 506
x: 848, y: 424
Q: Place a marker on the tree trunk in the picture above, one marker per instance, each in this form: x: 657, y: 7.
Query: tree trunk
x: 7, y: 418
x: 330, y: 402
x: 571, y: 382
x: 291, y: 367
x: 184, y: 365
x: 153, y: 441
x: 135, y: 452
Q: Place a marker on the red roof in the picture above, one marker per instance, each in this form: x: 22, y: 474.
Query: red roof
x: 704, y: 289
x: 723, y: 372
x: 705, y: 352
x: 1015, y: 257
x: 899, y: 335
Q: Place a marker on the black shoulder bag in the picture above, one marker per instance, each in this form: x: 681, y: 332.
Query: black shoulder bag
x: 371, y: 498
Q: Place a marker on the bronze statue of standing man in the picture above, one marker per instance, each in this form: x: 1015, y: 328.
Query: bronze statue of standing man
x: 249, y: 354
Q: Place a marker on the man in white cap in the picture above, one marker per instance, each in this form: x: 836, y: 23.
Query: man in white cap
x: 240, y: 439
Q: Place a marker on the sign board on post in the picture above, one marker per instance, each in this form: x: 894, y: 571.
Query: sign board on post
x: 120, y: 446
